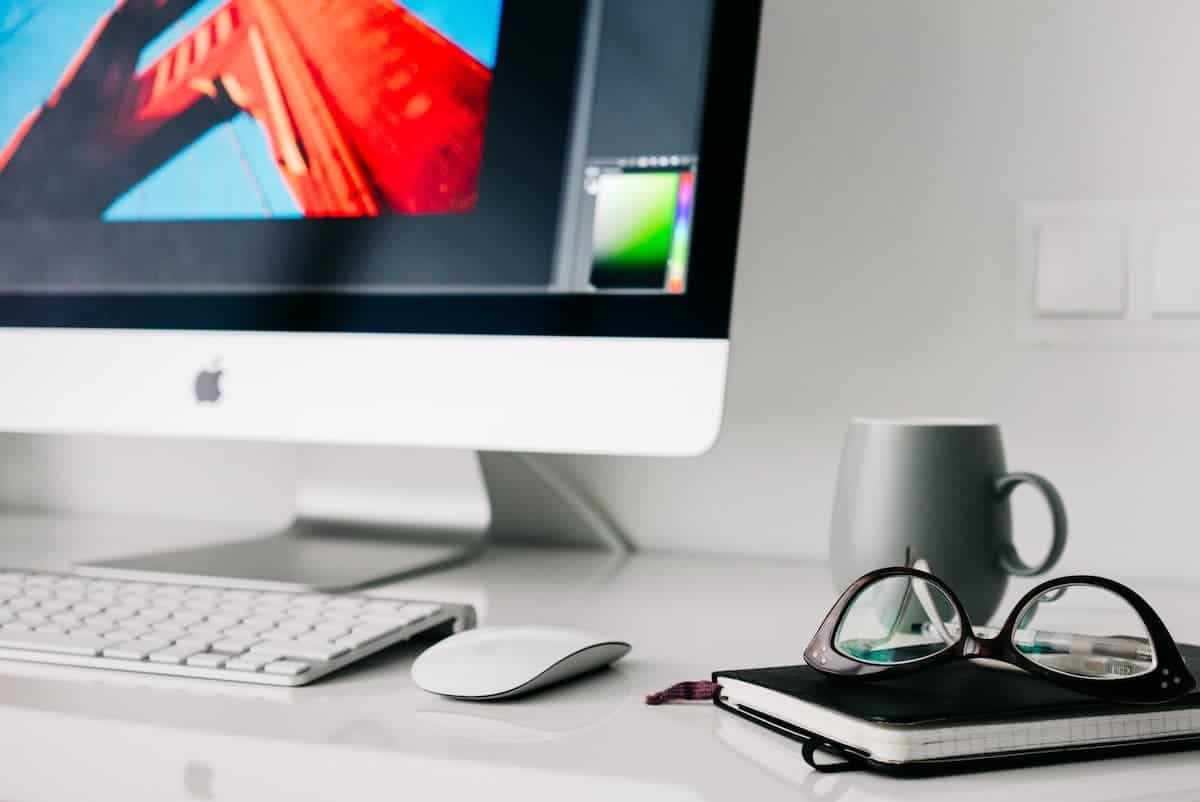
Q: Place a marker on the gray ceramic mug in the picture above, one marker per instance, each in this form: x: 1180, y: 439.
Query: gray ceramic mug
x: 937, y: 490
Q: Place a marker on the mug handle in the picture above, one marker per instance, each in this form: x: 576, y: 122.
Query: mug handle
x: 1010, y: 561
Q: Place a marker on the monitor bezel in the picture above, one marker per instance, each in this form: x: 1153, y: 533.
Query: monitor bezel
x: 703, y: 312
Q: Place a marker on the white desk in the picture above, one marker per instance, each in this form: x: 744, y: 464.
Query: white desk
x: 370, y: 734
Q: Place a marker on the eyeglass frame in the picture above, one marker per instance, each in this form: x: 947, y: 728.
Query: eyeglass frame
x: 1153, y: 687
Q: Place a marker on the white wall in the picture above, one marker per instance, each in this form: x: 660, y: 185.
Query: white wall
x: 894, y: 141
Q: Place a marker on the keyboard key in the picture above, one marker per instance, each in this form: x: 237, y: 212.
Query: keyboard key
x: 136, y: 650
x: 293, y: 627
x: 151, y: 616
x: 211, y: 633
x: 201, y: 643
x: 232, y: 645
x: 236, y: 610
x: 248, y: 662
x: 340, y: 617
x: 207, y: 660
x: 289, y: 668
x: 355, y: 641
x: 18, y: 626
x: 55, y: 606
x: 188, y: 616
x: 300, y: 651
x: 121, y: 635
x: 278, y: 634
x: 86, y: 608
x: 258, y: 624
x: 243, y: 633
x: 175, y: 655
x: 74, y: 643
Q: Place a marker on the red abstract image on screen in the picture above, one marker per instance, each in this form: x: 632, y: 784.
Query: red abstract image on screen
x: 368, y: 110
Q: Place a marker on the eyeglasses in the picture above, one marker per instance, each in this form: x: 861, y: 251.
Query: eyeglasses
x: 898, y: 621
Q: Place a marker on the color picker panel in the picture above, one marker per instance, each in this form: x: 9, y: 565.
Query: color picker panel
x: 634, y: 230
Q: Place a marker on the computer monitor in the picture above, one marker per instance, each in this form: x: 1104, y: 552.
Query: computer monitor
x: 498, y: 225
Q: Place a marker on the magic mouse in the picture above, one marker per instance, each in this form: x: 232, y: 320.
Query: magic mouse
x: 502, y: 662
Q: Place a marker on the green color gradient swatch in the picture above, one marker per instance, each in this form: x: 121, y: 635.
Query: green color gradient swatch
x: 635, y: 220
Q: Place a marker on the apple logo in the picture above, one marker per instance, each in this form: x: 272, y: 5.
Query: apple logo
x: 208, y: 384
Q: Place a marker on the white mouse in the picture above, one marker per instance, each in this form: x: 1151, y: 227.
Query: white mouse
x: 503, y: 662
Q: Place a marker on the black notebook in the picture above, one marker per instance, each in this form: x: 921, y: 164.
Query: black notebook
x: 960, y: 716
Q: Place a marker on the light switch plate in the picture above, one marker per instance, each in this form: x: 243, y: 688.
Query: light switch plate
x: 1110, y: 274
x: 1081, y: 270
x: 1177, y: 270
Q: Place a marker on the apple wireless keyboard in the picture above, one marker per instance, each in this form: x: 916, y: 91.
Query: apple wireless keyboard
x: 266, y: 638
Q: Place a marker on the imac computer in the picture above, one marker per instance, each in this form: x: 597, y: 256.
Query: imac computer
x: 490, y: 226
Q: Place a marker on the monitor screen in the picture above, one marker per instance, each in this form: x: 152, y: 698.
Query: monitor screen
x: 449, y: 166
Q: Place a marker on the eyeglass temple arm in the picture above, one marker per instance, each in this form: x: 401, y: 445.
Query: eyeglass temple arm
x: 931, y: 612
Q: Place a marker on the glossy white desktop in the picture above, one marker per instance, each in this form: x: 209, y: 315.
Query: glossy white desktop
x: 369, y: 733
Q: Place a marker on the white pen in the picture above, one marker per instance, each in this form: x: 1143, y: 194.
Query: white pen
x: 1120, y: 646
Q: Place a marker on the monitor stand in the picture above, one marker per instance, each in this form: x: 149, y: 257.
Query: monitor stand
x: 370, y: 514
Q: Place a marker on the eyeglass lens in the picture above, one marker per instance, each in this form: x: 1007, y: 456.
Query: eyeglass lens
x: 898, y: 619
x: 1084, y: 631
